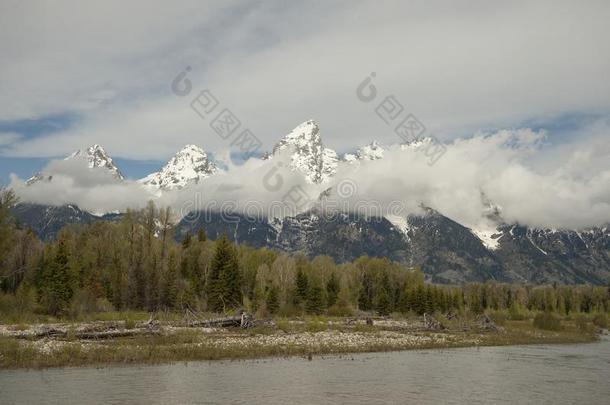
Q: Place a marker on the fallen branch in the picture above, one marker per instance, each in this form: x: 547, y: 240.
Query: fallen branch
x: 85, y: 334
x: 432, y: 324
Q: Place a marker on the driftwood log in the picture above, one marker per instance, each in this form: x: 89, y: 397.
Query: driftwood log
x: 94, y: 333
x: 243, y: 321
x: 486, y: 323
x: 111, y: 330
x: 431, y: 323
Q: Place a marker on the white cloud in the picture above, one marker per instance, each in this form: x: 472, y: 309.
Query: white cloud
x: 493, y: 167
x: 73, y: 182
x: 7, y: 138
x: 459, y: 68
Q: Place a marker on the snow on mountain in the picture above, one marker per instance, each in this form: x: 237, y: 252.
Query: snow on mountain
x: 372, y: 151
x: 189, y: 165
x: 95, y: 156
x: 416, y: 144
x: 489, y: 236
x: 400, y: 223
x: 309, y: 156
x: 38, y: 177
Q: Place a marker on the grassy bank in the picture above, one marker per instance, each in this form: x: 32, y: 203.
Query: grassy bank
x: 287, y: 337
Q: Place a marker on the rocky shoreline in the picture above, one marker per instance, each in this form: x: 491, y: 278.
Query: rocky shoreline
x: 99, y: 343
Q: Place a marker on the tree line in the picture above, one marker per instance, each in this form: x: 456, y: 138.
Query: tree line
x: 136, y: 264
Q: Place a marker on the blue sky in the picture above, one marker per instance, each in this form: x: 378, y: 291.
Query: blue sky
x: 24, y: 167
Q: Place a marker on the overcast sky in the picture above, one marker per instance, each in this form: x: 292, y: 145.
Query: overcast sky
x: 73, y: 74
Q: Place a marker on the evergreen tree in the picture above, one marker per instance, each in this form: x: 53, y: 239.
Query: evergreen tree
x: 315, y: 301
x: 302, y: 287
x: 137, y: 287
x: 7, y: 200
x: 404, y: 301
x: 170, y: 284
x: 201, y: 235
x: 214, y: 285
x: 119, y: 284
x: 332, y: 290
x: 383, y: 302
x: 476, y: 300
x: 429, y: 300
x: 224, y: 282
x: 153, y: 282
x: 419, y: 298
x: 273, y: 300
x: 186, y: 242
x: 365, y: 297
x: 231, y: 279
x: 58, y: 281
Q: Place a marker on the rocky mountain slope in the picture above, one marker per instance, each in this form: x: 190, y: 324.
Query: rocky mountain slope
x: 46, y: 221
x: 446, y: 251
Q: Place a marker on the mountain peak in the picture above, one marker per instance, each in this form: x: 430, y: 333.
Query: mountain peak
x: 96, y: 156
x: 416, y: 143
x: 309, y: 155
x: 189, y: 164
x: 190, y: 148
x: 305, y: 133
x: 372, y: 151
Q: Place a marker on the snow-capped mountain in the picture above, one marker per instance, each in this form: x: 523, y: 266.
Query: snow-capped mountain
x: 190, y: 165
x: 372, y: 151
x: 444, y: 249
x: 95, y: 157
x: 309, y: 156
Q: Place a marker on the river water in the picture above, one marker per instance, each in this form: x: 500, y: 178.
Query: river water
x: 553, y: 374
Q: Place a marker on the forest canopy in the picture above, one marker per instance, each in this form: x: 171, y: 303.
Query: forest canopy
x: 136, y: 264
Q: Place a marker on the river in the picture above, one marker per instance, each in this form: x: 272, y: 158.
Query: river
x: 554, y: 374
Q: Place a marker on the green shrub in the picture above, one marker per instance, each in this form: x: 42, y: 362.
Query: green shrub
x: 583, y: 324
x: 517, y: 313
x: 103, y: 305
x: 547, y: 321
x: 316, y: 326
x: 601, y: 321
x: 499, y: 317
x: 83, y: 303
x: 283, y: 325
x: 364, y: 328
x: 340, y: 310
x: 289, y: 310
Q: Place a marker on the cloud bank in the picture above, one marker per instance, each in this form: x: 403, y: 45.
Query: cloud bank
x: 504, y: 170
x: 459, y: 68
